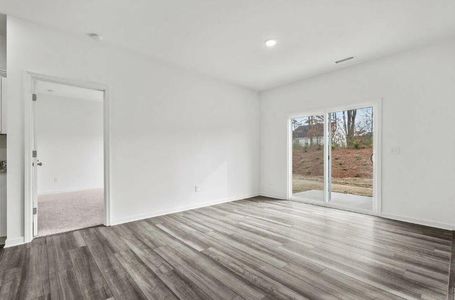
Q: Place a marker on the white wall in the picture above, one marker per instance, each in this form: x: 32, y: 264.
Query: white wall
x: 69, y: 136
x: 2, y: 53
x: 418, y: 88
x: 170, y: 129
x: 2, y: 47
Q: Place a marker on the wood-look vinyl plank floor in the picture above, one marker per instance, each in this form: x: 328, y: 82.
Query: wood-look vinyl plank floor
x: 258, y: 248
x: 451, y: 295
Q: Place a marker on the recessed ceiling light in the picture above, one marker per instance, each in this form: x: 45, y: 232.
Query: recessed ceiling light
x: 95, y: 36
x: 270, y: 43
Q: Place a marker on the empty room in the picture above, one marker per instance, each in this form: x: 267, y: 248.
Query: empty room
x: 68, y: 140
x: 215, y: 149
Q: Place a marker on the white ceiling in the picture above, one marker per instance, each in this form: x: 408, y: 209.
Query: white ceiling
x: 224, y: 38
x: 67, y: 91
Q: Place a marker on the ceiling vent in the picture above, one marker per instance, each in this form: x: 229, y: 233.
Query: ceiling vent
x: 95, y: 36
x: 344, y: 60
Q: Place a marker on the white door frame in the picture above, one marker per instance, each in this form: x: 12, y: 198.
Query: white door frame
x: 29, y: 80
x: 377, y: 149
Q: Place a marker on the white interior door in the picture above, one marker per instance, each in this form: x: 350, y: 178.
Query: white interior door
x: 58, y: 123
x: 35, y: 165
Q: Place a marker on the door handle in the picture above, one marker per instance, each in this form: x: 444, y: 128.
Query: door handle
x: 38, y: 163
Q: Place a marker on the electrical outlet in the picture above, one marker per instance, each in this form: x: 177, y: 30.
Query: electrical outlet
x: 395, y: 150
x: 197, y: 188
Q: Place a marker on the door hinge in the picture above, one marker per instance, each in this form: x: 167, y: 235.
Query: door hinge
x: 35, y: 210
x: 34, y: 153
x: 34, y: 97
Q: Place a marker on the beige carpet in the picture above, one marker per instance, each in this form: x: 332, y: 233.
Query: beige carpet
x: 69, y: 211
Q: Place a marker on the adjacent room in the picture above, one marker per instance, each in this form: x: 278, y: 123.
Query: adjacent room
x: 68, y: 140
x: 239, y: 149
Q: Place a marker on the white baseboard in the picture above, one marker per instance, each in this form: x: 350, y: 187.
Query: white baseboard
x: 53, y: 192
x: 14, y: 242
x: 385, y: 215
x: 418, y: 221
x: 271, y: 195
x: 20, y: 240
x: 180, y: 209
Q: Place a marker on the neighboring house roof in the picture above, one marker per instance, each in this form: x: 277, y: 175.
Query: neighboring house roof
x: 305, y: 131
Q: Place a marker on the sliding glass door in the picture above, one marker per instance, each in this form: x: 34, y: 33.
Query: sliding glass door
x: 308, y: 156
x: 351, y: 158
x: 333, y: 158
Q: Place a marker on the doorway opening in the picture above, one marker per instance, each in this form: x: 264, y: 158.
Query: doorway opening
x: 333, y: 158
x: 68, y: 157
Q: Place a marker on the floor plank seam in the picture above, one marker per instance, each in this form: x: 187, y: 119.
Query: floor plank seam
x: 102, y: 271
x: 223, y: 266
x: 202, y: 253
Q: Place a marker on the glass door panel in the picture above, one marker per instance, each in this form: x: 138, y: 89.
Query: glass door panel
x: 351, y: 158
x: 308, y: 157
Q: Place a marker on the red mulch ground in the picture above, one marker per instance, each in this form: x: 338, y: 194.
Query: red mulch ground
x: 346, y: 163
